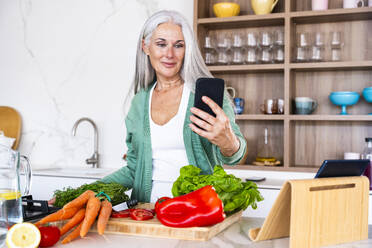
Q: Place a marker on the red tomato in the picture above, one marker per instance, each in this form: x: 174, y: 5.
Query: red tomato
x: 152, y: 211
x: 49, y: 235
x: 141, y: 214
x: 160, y: 200
x: 121, y: 214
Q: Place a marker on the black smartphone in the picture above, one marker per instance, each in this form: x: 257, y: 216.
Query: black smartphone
x: 212, y: 88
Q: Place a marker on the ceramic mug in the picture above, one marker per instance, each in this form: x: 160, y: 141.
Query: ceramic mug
x: 353, y: 4
x: 262, y: 7
x: 319, y: 4
x: 272, y: 106
x: 231, y: 91
x: 238, y: 105
x: 305, y: 105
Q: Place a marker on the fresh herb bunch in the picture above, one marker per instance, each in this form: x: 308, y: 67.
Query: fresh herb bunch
x: 115, y: 191
x: 234, y: 193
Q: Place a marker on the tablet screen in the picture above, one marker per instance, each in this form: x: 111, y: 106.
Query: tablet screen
x: 342, y: 168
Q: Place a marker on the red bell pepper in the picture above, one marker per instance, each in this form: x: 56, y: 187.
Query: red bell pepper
x: 201, y: 207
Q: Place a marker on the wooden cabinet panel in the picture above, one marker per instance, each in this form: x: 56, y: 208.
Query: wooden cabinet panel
x: 314, y: 141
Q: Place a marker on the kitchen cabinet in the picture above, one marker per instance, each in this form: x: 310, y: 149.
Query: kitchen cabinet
x: 300, y: 142
x: 43, y: 187
x: 263, y: 207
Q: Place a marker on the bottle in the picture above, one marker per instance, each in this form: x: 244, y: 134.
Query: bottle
x: 367, y: 154
x: 265, y: 153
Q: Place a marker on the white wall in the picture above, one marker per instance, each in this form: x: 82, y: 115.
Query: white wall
x: 61, y: 60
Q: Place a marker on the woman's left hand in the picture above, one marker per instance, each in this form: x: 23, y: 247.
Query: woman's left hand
x: 216, y: 129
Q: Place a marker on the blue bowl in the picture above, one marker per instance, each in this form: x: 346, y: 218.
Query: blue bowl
x: 343, y: 99
x: 367, y: 94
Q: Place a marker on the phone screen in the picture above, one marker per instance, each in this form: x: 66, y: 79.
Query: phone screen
x: 212, y: 88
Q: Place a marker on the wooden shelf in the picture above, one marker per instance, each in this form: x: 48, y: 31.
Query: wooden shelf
x: 271, y: 168
x: 263, y: 117
x: 275, y: 19
x: 330, y: 117
x: 332, y: 15
x: 314, y: 66
x: 259, y: 117
x: 332, y: 66
x: 247, y: 68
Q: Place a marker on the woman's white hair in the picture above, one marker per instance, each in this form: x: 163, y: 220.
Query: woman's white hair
x: 193, y: 64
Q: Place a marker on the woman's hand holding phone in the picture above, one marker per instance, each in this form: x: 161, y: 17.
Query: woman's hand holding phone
x: 216, y: 129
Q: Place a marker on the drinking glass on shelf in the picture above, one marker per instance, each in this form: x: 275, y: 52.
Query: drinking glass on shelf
x: 279, y: 38
x: 237, y: 49
x: 278, y: 54
x: 265, y: 39
x: 209, y: 58
x: 237, y: 56
x: 251, y: 55
x: 209, y: 51
x: 208, y: 43
x: 265, y: 55
x: 251, y: 39
x: 317, y: 53
x: 336, y: 54
x: 319, y: 39
x: 336, y: 43
x: 237, y: 41
x: 302, y: 54
x: 336, y: 39
x: 303, y: 39
x: 223, y: 51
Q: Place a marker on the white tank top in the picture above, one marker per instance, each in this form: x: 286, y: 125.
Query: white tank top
x: 168, y: 149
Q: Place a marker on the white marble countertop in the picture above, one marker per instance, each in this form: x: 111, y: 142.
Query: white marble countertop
x: 98, y: 173
x: 77, y: 172
x: 234, y: 236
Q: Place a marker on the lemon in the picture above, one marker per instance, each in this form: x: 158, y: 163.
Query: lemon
x: 10, y: 195
x: 25, y: 235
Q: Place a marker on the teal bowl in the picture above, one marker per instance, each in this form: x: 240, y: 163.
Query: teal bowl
x: 343, y: 99
x: 367, y: 94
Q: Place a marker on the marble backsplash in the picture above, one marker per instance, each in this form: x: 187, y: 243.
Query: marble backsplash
x: 61, y: 60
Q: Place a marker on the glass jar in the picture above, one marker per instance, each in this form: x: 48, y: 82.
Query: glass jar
x: 367, y: 154
x: 209, y: 51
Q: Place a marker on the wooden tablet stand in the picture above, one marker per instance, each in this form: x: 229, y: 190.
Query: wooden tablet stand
x: 318, y: 212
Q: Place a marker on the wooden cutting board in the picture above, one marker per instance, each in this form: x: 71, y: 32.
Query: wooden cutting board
x: 153, y: 227
x: 10, y: 124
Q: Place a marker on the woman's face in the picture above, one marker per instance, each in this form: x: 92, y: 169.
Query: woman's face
x: 166, y: 50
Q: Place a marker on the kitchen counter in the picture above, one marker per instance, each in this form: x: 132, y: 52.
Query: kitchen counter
x: 234, y: 236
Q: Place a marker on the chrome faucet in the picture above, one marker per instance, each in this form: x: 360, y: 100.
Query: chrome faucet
x: 94, y: 160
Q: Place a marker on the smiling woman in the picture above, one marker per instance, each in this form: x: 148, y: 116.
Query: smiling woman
x: 162, y: 134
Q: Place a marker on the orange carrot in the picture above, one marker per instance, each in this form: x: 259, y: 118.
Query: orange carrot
x: 62, y: 214
x: 73, y: 235
x: 104, y: 216
x: 93, y: 206
x: 78, y: 217
x: 81, y: 200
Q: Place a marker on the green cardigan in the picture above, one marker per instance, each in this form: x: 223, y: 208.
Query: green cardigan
x: 200, y: 152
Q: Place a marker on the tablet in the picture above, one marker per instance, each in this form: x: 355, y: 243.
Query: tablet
x: 342, y: 168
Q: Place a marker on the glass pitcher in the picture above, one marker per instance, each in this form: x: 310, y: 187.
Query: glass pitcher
x: 11, y: 163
